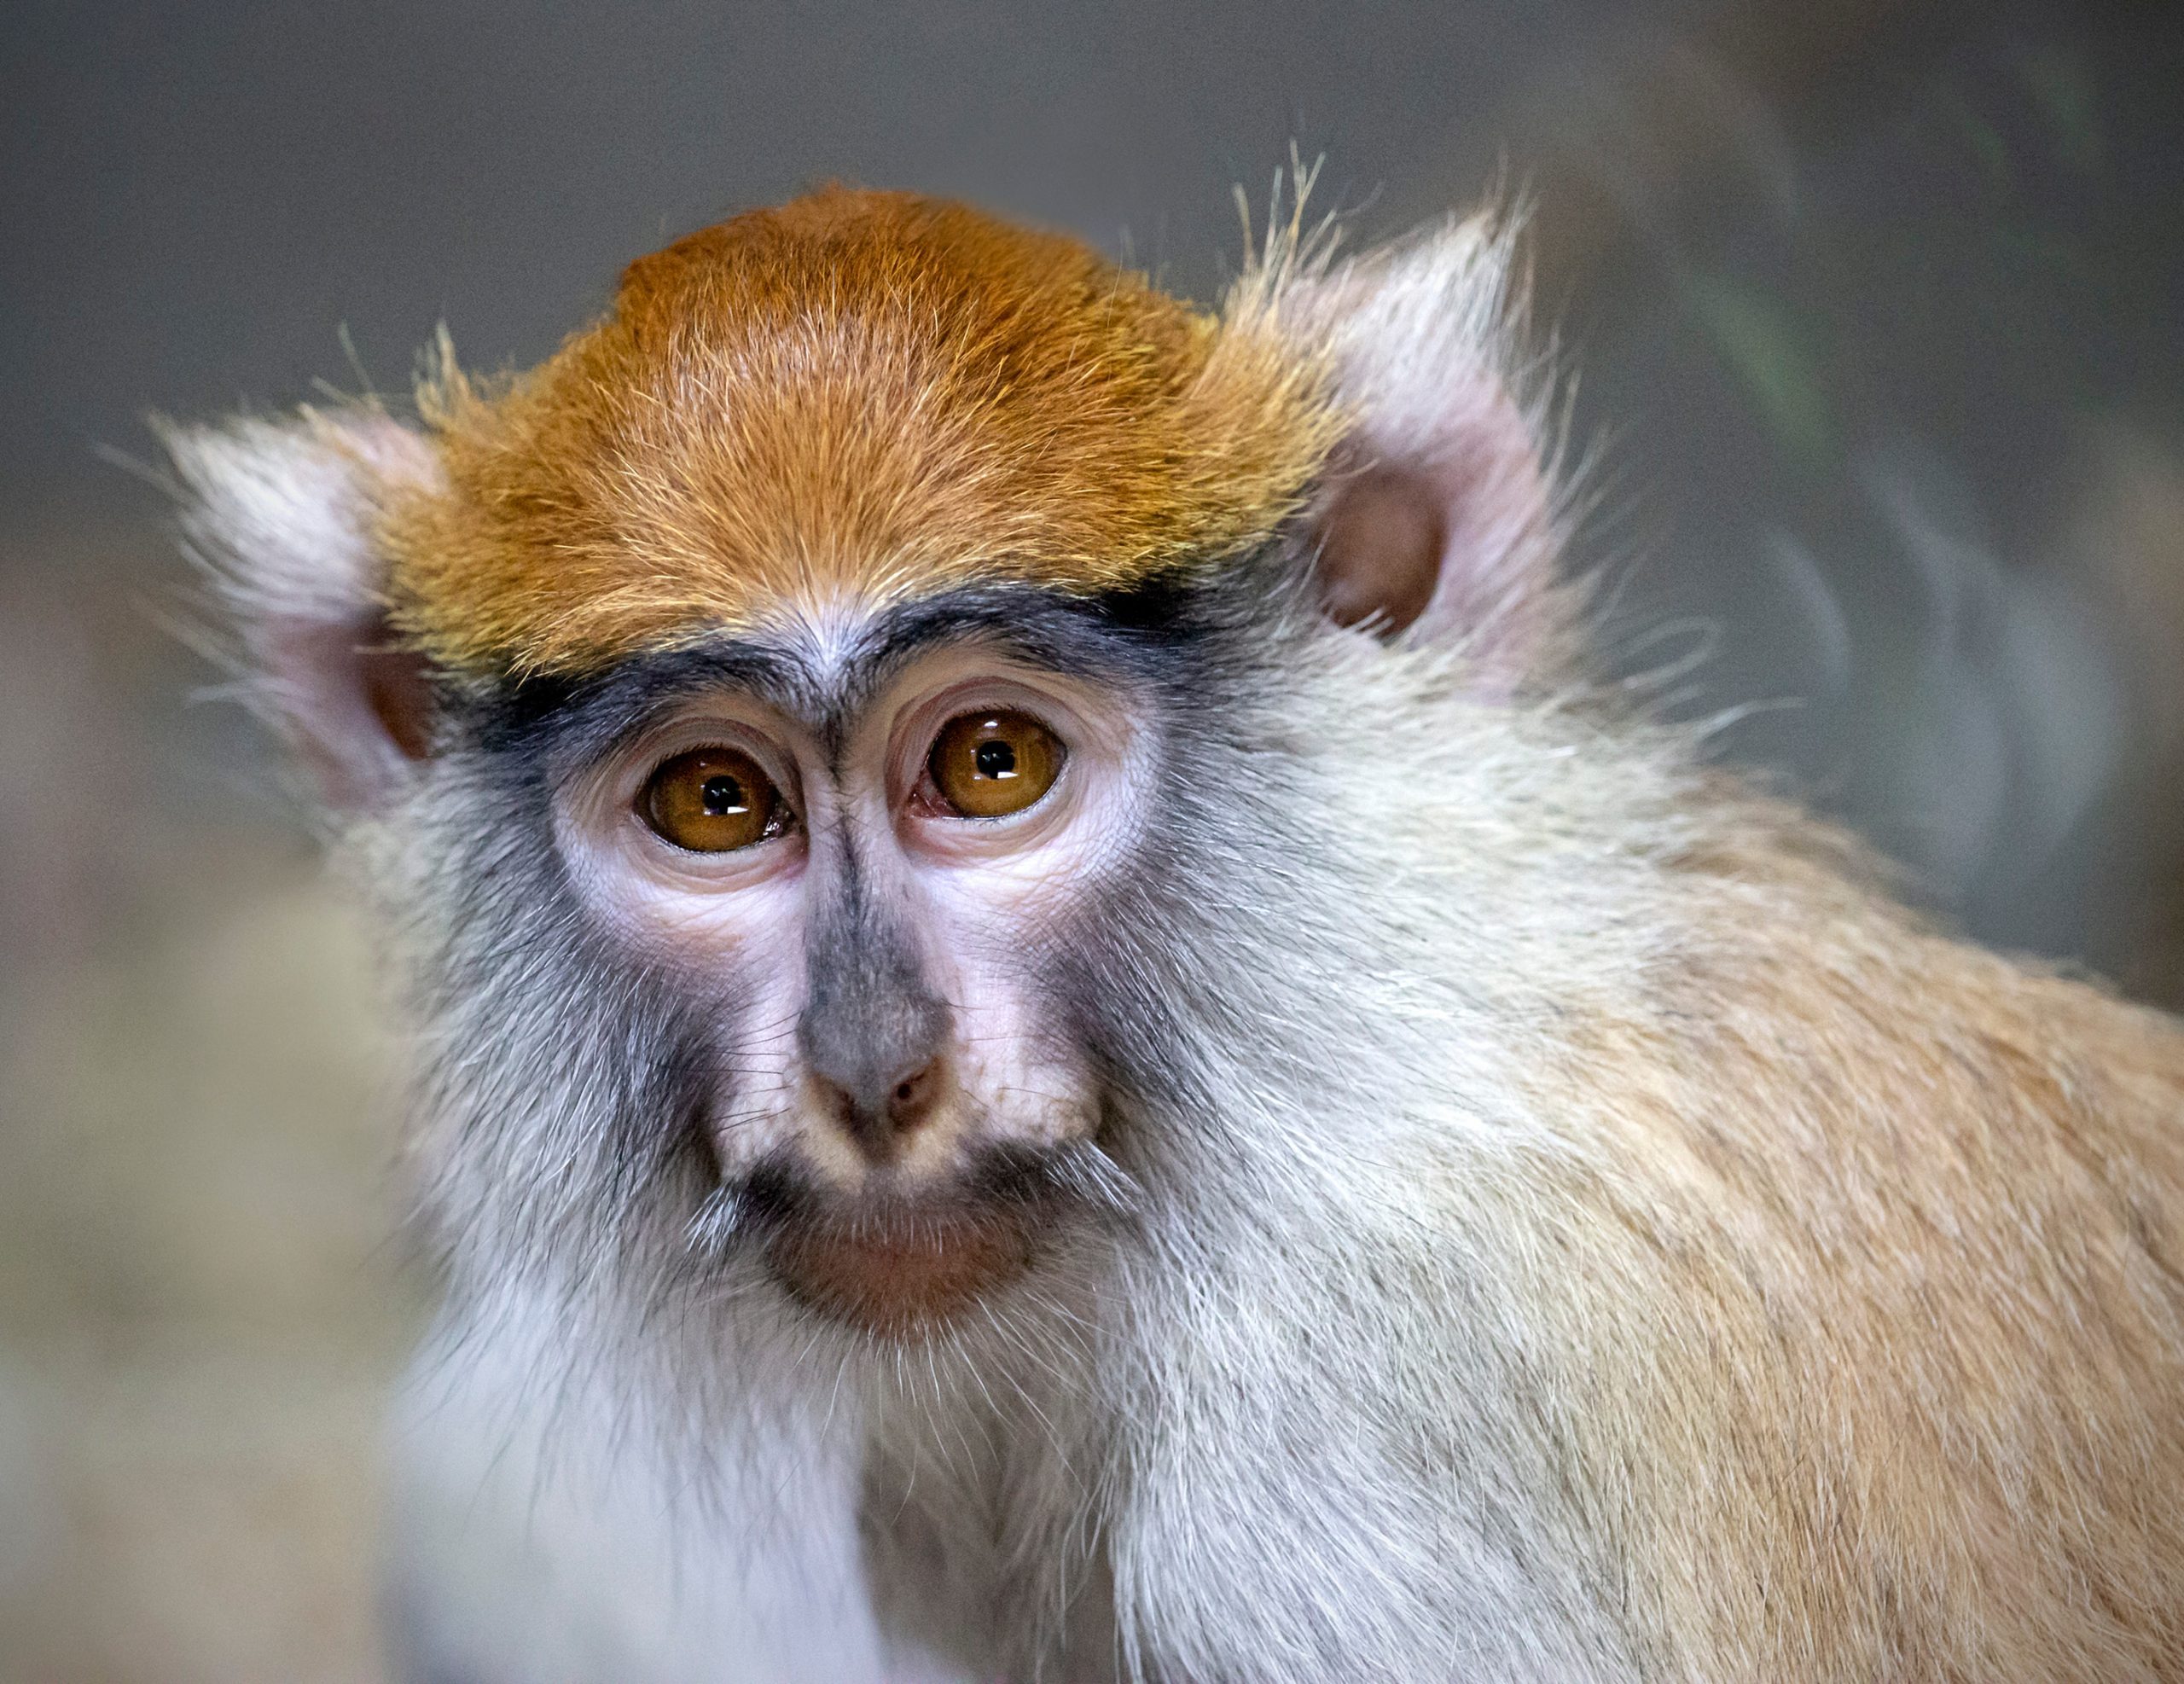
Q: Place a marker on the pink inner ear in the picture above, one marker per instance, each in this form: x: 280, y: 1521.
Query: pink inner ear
x: 1450, y: 539
x: 361, y: 709
x: 1380, y: 547
x: 398, y: 686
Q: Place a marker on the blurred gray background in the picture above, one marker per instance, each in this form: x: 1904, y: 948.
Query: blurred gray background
x: 1880, y: 313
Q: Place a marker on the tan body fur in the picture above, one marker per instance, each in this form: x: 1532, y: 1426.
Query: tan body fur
x: 1886, y: 1263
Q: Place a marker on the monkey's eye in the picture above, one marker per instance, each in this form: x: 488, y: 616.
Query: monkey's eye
x: 713, y: 801
x: 987, y: 765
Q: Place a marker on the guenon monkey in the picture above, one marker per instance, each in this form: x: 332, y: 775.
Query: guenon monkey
x: 1059, y: 1036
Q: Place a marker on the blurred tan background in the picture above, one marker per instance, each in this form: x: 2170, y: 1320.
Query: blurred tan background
x: 1880, y: 308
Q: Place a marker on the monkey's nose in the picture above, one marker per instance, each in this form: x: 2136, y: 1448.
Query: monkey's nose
x: 880, y: 1113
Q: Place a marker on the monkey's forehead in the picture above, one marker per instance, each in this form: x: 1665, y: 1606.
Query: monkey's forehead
x: 857, y: 395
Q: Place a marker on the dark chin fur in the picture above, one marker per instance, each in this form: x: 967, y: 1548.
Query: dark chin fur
x: 897, y: 1268
x: 898, y: 1275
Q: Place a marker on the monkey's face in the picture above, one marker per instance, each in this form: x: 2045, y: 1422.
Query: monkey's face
x: 855, y: 855
x: 877, y: 704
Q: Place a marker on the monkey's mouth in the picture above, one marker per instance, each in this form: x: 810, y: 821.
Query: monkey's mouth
x: 897, y: 1266
x: 900, y: 1274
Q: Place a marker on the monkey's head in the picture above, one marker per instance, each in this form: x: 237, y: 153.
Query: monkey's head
x: 852, y: 741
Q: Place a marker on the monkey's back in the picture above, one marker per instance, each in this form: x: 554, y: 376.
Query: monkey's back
x: 1883, y: 1342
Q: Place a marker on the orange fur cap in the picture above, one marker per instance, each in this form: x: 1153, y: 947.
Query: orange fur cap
x: 864, y: 394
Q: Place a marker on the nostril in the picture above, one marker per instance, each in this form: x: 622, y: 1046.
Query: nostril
x: 878, y: 1116
x: 914, y: 1098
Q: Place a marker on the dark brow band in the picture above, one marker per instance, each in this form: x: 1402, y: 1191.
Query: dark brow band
x: 1115, y: 636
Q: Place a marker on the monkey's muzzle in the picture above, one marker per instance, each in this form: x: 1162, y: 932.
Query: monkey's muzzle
x: 895, y: 1266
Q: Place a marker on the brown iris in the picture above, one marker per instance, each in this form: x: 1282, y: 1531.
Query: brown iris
x: 987, y: 765
x: 711, y: 801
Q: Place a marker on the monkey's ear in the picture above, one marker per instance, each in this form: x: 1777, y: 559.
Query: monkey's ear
x: 281, y: 515
x: 1438, y: 522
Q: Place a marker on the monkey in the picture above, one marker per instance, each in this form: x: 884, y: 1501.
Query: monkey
x: 1061, y: 1033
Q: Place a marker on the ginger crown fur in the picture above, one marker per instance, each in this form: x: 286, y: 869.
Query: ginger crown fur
x: 858, y: 393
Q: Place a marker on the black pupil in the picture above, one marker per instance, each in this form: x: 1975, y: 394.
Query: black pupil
x: 722, y: 795
x: 995, y: 759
